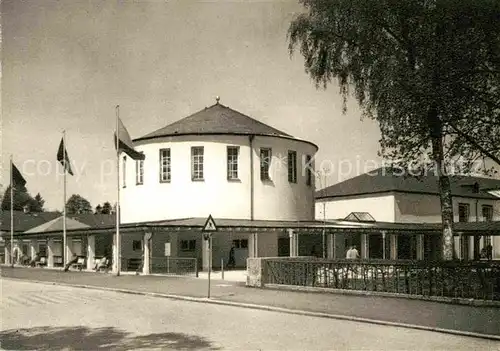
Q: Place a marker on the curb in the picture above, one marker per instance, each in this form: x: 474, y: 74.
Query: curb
x: 438, y: 299
x: 269, y: 308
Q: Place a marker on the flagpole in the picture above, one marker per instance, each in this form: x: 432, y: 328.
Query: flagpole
x: 11, y: 211
x: 65, y: 249
x: 117, y: 239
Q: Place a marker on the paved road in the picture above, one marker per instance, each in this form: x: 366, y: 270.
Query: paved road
x: 484, y: 320
x: 47, y: 317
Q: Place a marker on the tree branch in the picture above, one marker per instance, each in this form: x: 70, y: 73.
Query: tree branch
x: 475, y: 144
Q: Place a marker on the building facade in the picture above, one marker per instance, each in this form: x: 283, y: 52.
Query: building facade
x: 397, y: 199
x: 223, y: 163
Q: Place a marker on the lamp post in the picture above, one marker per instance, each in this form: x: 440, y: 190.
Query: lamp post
x: 322, y: 180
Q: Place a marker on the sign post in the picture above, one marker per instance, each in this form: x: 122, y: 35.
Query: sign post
x: 207, y: 231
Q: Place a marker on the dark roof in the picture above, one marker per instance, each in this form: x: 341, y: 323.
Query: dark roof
x: 473, y: 228
x: 58, y: 225
x: 95, y: 220
x: 217, y: 119
x: 383, y: 180
x: 24, y: 221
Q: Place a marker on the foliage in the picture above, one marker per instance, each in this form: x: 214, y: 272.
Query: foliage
x: 427, y: 70
x: 106, y: 208
x: 76, y: 204
x: 420, y: 68
x: 38, y: 203
x: 21, y: 199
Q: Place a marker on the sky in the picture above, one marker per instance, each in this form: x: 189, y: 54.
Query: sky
x: 68, y: 63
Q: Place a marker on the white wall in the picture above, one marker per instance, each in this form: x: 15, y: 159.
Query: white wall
x: 380, y: 206
x: 182, y: 197
x: 423, y: 208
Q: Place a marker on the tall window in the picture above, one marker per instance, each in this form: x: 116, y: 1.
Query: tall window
x: 292, y: 166
x: 139, y: 172
x: 124, y: 170
x: 309, y: 168
x: 463, y: 212
x: 487, y: 213
x: 232, y: 162
x: 265, y: 163
x: 165, y: 167
x: 197, y: 163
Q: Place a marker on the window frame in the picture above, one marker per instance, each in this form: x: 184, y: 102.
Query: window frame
x: 136, y: 245
x: 124, y: 172
x: 265, y: 163
x: 308, y: 165
x: 467, y: 207
x: 292, y: 166
x: 165, y: 173
x: 232, y: 163
x: 197, y: 164
x: 188, y: 245
x: 490, y: 212
x: 139, y: 172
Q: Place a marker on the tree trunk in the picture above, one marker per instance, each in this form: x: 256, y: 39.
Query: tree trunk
x: 444, y: 185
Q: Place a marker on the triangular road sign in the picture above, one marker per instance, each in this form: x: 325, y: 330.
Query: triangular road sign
x: 209, y: 225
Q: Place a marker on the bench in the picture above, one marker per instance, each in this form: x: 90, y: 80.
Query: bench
x: 42, y: 262
x: 79, y: 264
x: 99, y: 266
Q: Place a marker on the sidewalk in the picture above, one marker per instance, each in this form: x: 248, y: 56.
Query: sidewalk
x: 425, y: 314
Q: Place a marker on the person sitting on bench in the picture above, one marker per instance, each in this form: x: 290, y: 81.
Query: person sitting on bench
x: 73, y: 261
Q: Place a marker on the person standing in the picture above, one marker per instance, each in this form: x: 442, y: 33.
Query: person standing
x: 231, y: 262
x: 349, y: 253
x: 489, y: 252
x: 354, y: 253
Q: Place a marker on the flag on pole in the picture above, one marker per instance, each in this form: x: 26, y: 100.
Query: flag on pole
x: 17, y: 177
x: 125, y: 142
x: 62, y: 156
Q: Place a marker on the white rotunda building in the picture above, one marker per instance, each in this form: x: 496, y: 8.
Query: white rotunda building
x: 221, y: 162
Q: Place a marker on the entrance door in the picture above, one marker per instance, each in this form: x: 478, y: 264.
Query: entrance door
x: 283, y: 247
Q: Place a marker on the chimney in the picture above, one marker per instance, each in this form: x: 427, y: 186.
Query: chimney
x: 26, y: 208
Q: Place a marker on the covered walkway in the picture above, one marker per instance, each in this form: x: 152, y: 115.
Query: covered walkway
x: 170, y: 246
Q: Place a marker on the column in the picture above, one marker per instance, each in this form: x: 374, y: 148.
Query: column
x: 90, y: 252
x: 330, y: 246
x: 50, y: 252
x: 394, y: 247
x: 69, y: 249
x: 33, y: 248
x: 146, y: 242
x: 420, y: 246
x: 365, y: 253
x: 294, y: 243
x: 384, y: 244
x: 7, y: 253
x: 253, y: 245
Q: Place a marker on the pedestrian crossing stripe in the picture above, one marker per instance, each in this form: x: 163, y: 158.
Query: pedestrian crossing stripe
x: 209, y: 225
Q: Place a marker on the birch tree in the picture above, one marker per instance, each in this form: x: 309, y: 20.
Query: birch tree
x: 427, y: 70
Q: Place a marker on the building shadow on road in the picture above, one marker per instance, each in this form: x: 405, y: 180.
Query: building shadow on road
x: 84, y: 338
